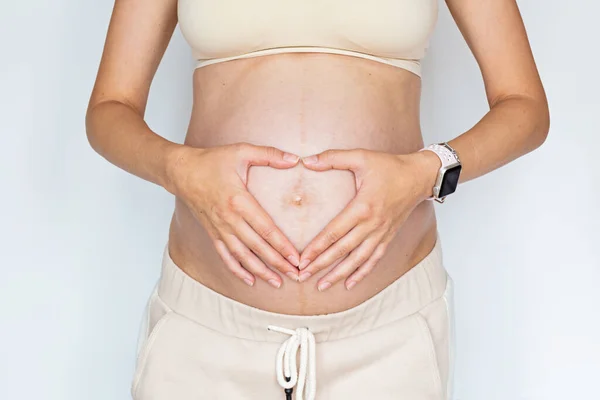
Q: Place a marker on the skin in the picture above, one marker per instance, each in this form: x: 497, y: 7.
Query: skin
x: 353, y: 208
x: 518, y: 122
x: 232, y: 217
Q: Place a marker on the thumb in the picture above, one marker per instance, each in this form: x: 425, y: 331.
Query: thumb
x: 268, y: 156
x: 335, y: 159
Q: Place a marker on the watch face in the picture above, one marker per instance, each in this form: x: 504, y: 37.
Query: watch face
x: 450, y: 181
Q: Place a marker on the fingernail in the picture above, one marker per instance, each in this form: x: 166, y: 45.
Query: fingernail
x: 350, y: 285
x: 304, y: 264
x: 324, y: 286
x: 275, y: 283
x: 294, y: 260
x: 290, y: 157
x: 248, y: 282
x: 304, y: 276
x: 292, y: 276
x: 309, y: 160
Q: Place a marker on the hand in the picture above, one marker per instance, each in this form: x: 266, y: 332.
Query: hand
x: 388, y: 188
x: 212, y: 183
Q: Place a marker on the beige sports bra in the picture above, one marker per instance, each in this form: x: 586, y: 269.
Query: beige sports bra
x: 394, y: 32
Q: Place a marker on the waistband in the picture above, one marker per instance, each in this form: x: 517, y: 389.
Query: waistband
x: 421, y: 285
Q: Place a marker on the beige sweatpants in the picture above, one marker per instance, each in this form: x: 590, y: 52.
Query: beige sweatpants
x: 197, y: 344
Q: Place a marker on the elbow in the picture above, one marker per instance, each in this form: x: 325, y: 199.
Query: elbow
x: 89, y: 130
x: 537, y: 115
x: 97, y: 118
x: 91, y: 125
x: 542, y: 125
x: 534, y: 119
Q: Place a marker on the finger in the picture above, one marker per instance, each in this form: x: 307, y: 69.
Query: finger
x: 263, y: 250
x: 338, y: 250
x: 250, y: 262
x: 267, y: 156
x: 234, y: 265
x: 262, y: 223
x: 354, y: 260
x: 335, y: 159
x: 367, y: 267
x: 355, y: 212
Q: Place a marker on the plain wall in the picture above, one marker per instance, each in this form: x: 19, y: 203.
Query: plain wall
x: 81, y: 240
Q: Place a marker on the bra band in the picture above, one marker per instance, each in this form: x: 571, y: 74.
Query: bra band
x: 413, y: 66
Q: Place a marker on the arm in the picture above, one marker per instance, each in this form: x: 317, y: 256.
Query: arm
x: 137, y: 38
x: 517, y: 123
x: 518, y: 120
x: 211, y: 182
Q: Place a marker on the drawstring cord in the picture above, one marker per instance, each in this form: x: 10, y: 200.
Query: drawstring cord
x: 288, y: 374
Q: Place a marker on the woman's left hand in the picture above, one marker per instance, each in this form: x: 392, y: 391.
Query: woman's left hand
x: 388, y: 188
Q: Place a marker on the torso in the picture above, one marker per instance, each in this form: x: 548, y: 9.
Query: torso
x: 303, y: 103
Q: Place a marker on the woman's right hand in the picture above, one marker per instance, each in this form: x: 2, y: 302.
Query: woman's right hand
x: 212, y: 183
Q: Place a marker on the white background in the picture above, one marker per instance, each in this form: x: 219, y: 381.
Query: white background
x: 81, y: 240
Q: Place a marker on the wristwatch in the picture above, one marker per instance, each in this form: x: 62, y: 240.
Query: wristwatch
x: 447, y: 179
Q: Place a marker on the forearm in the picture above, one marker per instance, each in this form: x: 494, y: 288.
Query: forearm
x: 119, y: 133
x: 513, y: 127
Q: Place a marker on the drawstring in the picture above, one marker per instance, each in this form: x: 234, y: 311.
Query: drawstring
x: 288, y: 375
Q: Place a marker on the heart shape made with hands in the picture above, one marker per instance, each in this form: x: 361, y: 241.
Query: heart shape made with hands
x: 387, y: 190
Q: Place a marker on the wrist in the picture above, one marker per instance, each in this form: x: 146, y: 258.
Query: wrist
x: 426, y: 166
x: 176, y: 157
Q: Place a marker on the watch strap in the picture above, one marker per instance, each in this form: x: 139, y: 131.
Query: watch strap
x: 448, y: 157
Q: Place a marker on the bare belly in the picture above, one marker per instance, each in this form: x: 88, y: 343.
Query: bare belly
x: 303, y: 104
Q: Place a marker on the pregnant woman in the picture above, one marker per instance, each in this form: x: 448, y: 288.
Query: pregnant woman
x: 303, y: 258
